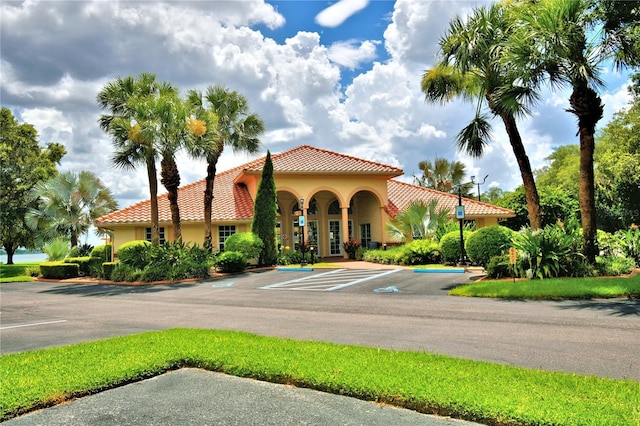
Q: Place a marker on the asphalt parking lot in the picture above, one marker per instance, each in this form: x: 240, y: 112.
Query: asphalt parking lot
x: 401, y: 310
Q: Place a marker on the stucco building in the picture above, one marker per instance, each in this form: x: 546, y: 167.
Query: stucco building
x: 343, y: 196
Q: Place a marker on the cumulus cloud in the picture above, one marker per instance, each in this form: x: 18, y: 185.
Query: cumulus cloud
x: 335, y: 15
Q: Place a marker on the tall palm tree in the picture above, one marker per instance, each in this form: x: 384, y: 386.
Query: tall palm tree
x: 443, y: 175
x: 559, y: 47
x: 121, y: 97
x: 236, y: 127
x: 162, y: 119
x: 68, y: 204
x: 471, y: 67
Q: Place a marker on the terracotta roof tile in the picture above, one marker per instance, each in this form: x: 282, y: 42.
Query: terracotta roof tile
x: 401, y: 194
x: 232, y: 200
x: 309, y: 159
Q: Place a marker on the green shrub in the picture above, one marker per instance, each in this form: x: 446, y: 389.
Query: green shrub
x: 102, y: 252
x: 247, y: 243
x: 614, y: 265
x: 231, y: 261
x: 629, y: 241
x: 32, y: 271
x: 59, y: 270
x: 421, y: 252
x: 122, y: 272
x: 487, y: 242
x: 551, y: 252
x: 135, y: 253
x: 107, y: 269
x: 84, y: 264
x: 450, y: 245
x: 499, y: 266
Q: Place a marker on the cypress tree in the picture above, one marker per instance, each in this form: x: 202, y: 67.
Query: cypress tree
x: 264, y: 214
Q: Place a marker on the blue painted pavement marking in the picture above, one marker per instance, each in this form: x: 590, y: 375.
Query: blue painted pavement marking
x: 441, y: 270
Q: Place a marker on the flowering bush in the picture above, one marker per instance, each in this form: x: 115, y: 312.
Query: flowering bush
x: 351, y: 246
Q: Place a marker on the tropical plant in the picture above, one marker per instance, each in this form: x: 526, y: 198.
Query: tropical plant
x: 132, y: 147
x: 264, y: 214
x: 559, y: 40
x: 421, y: 252
x: 23, y: 165
x: 56, y: 249
x: 236, y: 127
x: 487, y: 242
x: 629, y: 241
x: 472, y: 66
x: 443, y: 175
x: 417, y: 221
x: 68, y: 204
x: 351, y: 246
x: 135, y: 253
x: 551, y: 252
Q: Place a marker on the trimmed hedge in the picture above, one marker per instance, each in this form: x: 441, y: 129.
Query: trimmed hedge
x: 247, y: 243
x: 102, y: 252
x: 231, y: 261
x: 487, y: 242
x: 450, y: 245
x: 59, y: 270
x: 107, y: 269
x: 84, y: 264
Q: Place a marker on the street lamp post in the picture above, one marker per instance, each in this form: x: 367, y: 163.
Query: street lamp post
x: 460, y: 217
x: 479, y: 183
x: 301, y: 224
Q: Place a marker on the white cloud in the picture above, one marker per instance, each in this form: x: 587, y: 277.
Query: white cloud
x: 350, y: 55
x: 335, y: 15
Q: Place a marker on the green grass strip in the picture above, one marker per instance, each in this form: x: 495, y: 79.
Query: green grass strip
x: 553, y: 289
x: 16, y: 272
x: 477, y: 391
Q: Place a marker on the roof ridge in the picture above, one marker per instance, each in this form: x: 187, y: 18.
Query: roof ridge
x: 449, y: 194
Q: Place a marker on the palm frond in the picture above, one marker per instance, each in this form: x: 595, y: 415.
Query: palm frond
x: 475, y: 136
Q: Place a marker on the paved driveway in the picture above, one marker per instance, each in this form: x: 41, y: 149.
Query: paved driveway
x: 598, y: 337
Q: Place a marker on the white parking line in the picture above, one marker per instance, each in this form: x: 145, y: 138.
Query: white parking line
x: 31, y: 325
x: 330, y: 281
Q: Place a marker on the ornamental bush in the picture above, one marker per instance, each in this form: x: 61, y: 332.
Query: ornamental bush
x: 487, y: 242
x: 421, y: 252
x: 450, y: 245
x: 134, y: 253
x: 59, y: 270
x: 231, y: 261
x: 102, y: 252
x: 247, y: 243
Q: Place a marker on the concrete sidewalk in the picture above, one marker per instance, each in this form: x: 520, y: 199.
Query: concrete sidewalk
x: 199, y: 397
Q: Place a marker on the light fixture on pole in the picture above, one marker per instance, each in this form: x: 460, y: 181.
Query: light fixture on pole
x: 478, y: 183
x: 301, y: 224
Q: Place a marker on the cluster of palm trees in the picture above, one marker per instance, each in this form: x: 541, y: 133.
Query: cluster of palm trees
x: 149, y: 121
x: 501, y: 55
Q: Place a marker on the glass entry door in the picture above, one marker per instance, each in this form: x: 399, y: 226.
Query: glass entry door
x: 312, y: 236
x: 335, y: 244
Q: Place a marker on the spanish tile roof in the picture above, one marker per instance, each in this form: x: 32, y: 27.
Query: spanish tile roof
x: 309, y: 159
x: 232, y: 200
x: 401, y: 194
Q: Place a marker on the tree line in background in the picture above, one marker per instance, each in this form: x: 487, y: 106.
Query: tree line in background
x: 38, y: 203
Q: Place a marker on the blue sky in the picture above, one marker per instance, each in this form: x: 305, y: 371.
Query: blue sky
x: 348, y: 82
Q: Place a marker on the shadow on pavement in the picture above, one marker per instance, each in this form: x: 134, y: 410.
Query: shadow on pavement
x: 616, y: 307
x: 114, y: 290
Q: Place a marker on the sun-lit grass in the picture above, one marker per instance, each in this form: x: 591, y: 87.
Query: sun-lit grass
x: 478, y: 391
x: 558, y: 288
x: 16, y: 272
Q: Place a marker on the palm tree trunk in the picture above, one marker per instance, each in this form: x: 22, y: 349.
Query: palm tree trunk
x: 587, y: 106
x: 170, y: 178
x: 530, y: 190
x: 212, y: 162
x: 152, y: 175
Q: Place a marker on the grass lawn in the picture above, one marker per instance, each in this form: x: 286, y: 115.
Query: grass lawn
x: 16, y: 272
x: 478, y: 391
x: 554, y: 289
